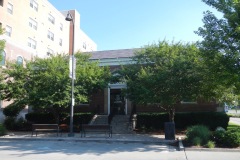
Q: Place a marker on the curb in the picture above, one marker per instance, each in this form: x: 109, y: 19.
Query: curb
x: 212, y: 149
x: 100, y: 140
x: 182, y: 148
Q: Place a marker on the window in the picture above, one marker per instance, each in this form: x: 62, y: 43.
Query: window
x: 84, y: 45
x: 32, y: 43
x: 19, y: 60
x: 50, y: 35
x: 49, y: 52
x: 51, y: 18
x: 10, y: 8
x: 8, y: 31
x: 34, y: 5
x: 60, y: 42
x: 2, y: 62
x: 61, y: 26
x: 1, y: 2
x: 32, y: 23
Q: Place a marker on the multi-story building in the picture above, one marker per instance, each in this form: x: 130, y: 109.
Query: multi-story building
x: 37, y: 28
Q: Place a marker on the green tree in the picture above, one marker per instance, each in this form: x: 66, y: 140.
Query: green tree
x: 2, y: 44
x: 220, y: 47
x: 45, y: 83
x: 164, y: 75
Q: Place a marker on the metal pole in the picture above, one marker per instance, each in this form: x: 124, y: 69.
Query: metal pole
x: 71, y: 134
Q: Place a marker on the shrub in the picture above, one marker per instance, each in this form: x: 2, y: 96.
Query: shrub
x: 198, y: 131
x: 43, y: 118
x: 232, y: 138
x: 183, y: 120
x: 80, y: 118
x: 229, y: 138
x: 218, y: 137
x: 210, y: 144
x: 3, y: 130
x: 9, y: 123
x: 197, y: 141
x: 12, y: 110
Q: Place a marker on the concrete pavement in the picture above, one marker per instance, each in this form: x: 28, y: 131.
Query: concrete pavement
x: 22, y: 146
x: 235, y: 120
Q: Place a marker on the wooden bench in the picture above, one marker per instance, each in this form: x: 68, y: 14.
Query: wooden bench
x: 45, y: 128
x: 101, y: 128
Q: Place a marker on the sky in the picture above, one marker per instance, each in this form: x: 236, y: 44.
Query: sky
x: 124, y: 24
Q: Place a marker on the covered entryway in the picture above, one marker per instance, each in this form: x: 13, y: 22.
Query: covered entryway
x: 116, y: 103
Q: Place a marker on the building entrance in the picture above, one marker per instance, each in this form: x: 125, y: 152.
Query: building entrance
x: 117, y: 102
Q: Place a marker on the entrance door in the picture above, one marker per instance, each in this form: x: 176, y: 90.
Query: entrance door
x: 117, y: 102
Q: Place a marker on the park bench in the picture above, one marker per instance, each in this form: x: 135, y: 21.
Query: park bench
x: 45, y: 128
x: 98, y: 128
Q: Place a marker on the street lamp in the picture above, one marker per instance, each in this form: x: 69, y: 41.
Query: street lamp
x: 70, y: 18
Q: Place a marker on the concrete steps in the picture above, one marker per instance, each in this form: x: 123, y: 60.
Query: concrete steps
x: 121, y: 125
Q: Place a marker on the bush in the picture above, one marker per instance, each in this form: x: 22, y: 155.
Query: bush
x: 218, y: 137
x: 43, y: 118
x: 232, y: 138
x: 229, y: 138
x: 79, y: 118
x: 9, y: 123
x: 3, y: 130
x: 199, y: 131
x: 12, y: 111
x: 197, y: 141
x: 210, y: 144
x: 183, y: 120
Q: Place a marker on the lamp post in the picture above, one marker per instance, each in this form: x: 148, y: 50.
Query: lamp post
x: 70, y: 18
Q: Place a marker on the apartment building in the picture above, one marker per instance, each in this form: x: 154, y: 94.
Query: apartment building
x: 36, y: 28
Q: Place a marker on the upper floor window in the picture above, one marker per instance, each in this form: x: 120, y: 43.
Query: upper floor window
x: 8, y: 30
x: 61, y: 26
x: 32, y: 43
x: 51, y: 18
x: 10, y: 8
x: 32, y: 23
x: 34, y: 5
x: 50, y: 35
x: 60, y: 42
x: 3, y: 56
x: 1, y: 2
x: 19, y: 60
x: 84, y: 45
x: 49, y: 52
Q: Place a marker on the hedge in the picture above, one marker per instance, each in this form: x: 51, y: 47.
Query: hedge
x: 42, y: 118
x: 48, y: 118
x: 183, y: 120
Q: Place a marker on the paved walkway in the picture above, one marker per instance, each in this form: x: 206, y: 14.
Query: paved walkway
x: 21, y: 146
x: 142, y: 138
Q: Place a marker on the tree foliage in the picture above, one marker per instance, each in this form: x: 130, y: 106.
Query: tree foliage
x: 2, y: 44
x: 45, y: 83
x: 165, y: 74
x: 221, y: 44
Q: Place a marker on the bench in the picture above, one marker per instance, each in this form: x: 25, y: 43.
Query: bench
x: 45, y: 128
x: 102, y: 128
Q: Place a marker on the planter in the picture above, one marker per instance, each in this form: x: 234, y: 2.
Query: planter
x: 169, y: 129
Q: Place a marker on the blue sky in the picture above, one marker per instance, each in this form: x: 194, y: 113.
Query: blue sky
x: 122, y: 24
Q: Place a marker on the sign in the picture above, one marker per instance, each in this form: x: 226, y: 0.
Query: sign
x: 72, y: 60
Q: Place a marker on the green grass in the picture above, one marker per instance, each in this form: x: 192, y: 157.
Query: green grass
x: 232, y: 125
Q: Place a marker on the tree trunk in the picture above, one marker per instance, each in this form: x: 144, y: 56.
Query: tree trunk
x: 171, y: 113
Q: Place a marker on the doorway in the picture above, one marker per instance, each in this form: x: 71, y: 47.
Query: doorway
x: 117, y: 102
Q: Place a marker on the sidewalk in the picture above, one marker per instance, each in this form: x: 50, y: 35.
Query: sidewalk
x: 126, y: 138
